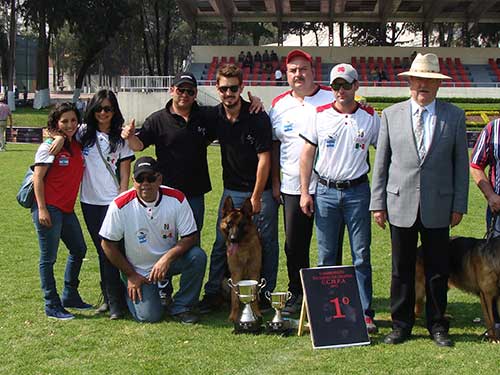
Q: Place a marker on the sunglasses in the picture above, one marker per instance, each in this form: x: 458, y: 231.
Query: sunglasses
x: 149, y: 178
x: 181, y: 91
x: 233, y: 88
x: 106, y: 108
x: 345, y: 85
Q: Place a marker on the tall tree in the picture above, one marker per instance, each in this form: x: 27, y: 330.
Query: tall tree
x: 94, y: 23
x: 46, y: 17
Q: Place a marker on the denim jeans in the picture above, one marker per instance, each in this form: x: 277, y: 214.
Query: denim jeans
x: 191, y: 267
x: 267, y: 225
x: 351, y: 206
x: 64, y: 227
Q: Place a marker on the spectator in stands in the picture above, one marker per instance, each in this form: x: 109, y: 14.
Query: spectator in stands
x: 382, y: 76
x: 248, y: 63
x: 373, y: 74
x: 160, y: 238
x: 265, y: 56
x: 274, y: 56
x: 257, y: 57
x: 241, y: 57
x: 290, y: 114
x: 278, y: 76
x: 486, y: 153
x: 5, y: 115
x: 246, y: 143
x: 56, y: 180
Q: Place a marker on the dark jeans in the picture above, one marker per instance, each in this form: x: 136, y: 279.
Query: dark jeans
x: 435, y: 243
x: 110, y: 275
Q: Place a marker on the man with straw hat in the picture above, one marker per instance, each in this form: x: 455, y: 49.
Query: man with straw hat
x: 420, y: 186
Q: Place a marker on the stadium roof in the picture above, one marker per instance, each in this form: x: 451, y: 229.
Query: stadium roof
x: 379, y: 11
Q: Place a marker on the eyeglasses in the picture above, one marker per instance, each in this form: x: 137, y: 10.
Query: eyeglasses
x: 233, y: 88
x: 106, y: 108
x: 149, y: 178
x: 181, y: 91
x: 345, y: 85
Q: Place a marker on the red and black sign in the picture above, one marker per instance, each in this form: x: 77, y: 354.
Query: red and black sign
x: 336, y: 318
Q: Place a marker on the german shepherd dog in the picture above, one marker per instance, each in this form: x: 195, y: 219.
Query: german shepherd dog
x: 474, y: 268
x: 244, y: 250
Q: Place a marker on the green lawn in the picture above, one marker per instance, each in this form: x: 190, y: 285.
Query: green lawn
x: 90, y: 344
x: 26, y: 116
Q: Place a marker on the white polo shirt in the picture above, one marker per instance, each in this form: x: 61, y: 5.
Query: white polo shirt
x: 98, y: 186
x: 149, y: 229
x: 342, y: 141
x: 289, y: 118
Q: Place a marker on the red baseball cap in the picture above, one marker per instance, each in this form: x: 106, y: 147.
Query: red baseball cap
x: 298, y: 53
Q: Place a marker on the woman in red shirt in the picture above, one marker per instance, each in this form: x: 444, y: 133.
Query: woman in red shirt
x: 56, y: 181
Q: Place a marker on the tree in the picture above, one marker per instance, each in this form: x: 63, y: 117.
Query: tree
x: 46, y: 17
x: 94, y: 23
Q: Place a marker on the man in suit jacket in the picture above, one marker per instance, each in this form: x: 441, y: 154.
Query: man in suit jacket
x: 420, y: 185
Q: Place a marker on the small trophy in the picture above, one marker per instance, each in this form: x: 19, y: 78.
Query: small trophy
x: 247, y: 292
x: 278, y: 301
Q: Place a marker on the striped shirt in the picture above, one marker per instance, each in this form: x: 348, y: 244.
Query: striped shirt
x: 487, y: 153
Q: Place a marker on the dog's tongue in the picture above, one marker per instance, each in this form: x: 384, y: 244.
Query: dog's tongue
x: 232, y: 248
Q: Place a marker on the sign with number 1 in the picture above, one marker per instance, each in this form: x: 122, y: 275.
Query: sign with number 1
x: 336, y: 318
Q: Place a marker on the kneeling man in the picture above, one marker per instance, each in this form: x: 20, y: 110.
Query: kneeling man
x: 160, y: 236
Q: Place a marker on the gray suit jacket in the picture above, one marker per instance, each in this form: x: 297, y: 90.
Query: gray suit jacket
x: 438, y: 185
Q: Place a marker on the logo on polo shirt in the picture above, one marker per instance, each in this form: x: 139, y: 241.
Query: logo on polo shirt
x: 63, y: 161
x: 250, y: 139
x: 142, y: 236
x: 288, y: 127
x: 331, y: 141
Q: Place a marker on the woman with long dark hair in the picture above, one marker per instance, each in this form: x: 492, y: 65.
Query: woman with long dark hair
x: 56, y: 180
x: 107, y: 173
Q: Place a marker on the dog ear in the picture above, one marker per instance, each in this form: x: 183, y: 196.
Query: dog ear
x: 227, y: 206
x: 247, y: 208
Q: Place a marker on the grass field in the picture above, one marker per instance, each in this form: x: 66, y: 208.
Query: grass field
x: 91, y: 344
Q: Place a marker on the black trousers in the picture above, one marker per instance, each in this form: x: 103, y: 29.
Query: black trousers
x: 298, y: 233
x: 110, y: 275
x: 435, y: 243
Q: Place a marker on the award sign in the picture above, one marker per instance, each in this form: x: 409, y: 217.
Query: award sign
x: 335, y: 315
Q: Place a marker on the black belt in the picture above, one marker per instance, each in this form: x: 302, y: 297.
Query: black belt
x: 346, y: 184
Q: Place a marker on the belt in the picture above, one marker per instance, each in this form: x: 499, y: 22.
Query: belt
x: 346, y: 184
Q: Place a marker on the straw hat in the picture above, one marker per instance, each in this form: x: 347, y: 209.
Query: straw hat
x: 425, y: 66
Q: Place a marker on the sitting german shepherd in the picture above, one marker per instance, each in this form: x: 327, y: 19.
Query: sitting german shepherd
x: 244, y: 250
x: 474, y: 268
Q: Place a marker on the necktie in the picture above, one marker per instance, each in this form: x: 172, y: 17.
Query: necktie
x: 418, y: 129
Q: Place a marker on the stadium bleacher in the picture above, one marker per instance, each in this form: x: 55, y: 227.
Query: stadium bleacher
x: 463, y: 75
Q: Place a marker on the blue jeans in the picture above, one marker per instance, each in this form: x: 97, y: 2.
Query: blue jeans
x: 197, y: 205
x: 332, y: 207
x: 65, y: 227
x: 191, y: 267
x: 267, y: 225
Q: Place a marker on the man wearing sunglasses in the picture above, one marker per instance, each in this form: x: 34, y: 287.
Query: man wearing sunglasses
x: 160, y: 238
x: 245, y: 141
x: 290, y: 113
x: 336, y: 151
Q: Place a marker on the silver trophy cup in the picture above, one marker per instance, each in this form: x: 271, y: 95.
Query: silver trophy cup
x: 247, y: 292
x: 278, y: 301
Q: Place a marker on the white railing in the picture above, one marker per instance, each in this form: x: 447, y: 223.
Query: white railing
x: 145, y: 83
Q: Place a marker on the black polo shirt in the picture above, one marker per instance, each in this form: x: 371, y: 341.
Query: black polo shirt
x: 240, y: 143
x: 181, y: 147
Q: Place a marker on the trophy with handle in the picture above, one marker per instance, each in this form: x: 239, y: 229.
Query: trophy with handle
x: 278, y: 301
x: 247, y: 292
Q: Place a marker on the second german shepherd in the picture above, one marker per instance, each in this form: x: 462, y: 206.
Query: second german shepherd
x: 474, y: 268
x: 244, y: 250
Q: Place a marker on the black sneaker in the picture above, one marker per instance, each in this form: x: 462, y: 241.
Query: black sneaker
x: 77, y: 303
x: 209, y: 303
x: 186, y: 317
x: 293, y: 305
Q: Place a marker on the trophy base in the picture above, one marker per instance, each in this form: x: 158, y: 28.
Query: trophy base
x: 254, y: 328
x: 278, y: 328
